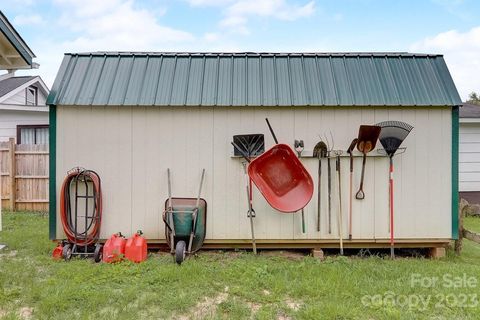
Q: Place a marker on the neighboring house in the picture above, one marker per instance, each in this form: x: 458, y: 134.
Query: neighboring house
x: 23, y: 113
x: 22, y: 99
x: 469, y: 153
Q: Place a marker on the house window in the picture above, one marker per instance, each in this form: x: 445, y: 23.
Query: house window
x: 32, y: 134
x: 31, y: 96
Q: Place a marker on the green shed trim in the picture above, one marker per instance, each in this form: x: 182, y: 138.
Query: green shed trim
x: 455, y: 142
x: 52, y: 221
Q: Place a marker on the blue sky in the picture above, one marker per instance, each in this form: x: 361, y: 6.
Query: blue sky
x: 450, y: 27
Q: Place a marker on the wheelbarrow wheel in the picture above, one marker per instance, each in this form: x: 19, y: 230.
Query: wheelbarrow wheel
x: 180, y: 252
x: 98, y: 253
x: 67, y: 252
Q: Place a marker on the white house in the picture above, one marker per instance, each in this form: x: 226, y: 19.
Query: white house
x: 23, y: 113
x: 469, y: 153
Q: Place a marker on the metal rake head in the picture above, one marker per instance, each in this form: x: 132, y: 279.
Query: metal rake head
x: 252, y: 144
x: 392, y: 135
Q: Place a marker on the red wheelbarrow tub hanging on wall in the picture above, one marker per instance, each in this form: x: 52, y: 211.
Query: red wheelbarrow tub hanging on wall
x: 282, y: 179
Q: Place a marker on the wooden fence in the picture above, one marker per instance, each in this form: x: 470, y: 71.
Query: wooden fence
x: 24, y: 176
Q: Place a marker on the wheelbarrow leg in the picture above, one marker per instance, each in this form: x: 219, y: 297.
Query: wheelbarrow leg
x: 192, y: 232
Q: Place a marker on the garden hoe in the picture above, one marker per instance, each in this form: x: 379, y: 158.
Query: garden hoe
x: 350, y: 202
x: 319, y: 152
x: 391, y: 137
x: 367, y: 139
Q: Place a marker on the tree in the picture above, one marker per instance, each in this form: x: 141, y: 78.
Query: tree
x: 474, y: 98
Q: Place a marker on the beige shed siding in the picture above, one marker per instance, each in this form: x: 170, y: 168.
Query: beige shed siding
x: 132, y: 147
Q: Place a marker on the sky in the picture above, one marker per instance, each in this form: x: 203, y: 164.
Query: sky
x: 448, y: 27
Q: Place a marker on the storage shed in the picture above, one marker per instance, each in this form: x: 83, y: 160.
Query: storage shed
x: 130, y: 116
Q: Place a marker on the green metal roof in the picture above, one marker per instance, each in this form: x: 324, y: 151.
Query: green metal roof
x: 253, y: 79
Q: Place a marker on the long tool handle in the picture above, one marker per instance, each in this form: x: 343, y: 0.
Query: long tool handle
x: 350, y: 203
x: 329, y: 195
x: 340, y: 213
x: 271, y: 131
x: 244, y: 154
x: 200, y: 189
x: 319, y: 192
x: 250, y: 209
x: 360, y: 194
x: 303, y: 221
x: 392, y: 242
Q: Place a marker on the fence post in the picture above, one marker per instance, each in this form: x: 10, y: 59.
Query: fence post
x: 13, y: 184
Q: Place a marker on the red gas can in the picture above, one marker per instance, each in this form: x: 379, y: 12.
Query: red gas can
x: 136, y: 248
x: 57, y: 252
x: 114, y: 248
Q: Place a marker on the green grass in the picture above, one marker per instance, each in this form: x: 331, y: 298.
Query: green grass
x: 472, y: 224
x: 224, y: 285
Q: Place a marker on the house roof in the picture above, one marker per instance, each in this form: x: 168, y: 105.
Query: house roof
x: 255, y: 79
x: 469, y: 111
x: 14, y: 52
x: 12, y: 83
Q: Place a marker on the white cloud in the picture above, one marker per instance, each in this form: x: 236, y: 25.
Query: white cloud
x: 107, y: 25
x: 237, y: 12
x: 462, y: 54
x: 211, y: 36
x: 31, y: 19
x: 207, y: 3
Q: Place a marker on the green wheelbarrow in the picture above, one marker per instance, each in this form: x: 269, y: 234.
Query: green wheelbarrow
x: 185, y: 222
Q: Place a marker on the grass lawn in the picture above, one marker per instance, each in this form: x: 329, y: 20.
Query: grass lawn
x: 230, y: 285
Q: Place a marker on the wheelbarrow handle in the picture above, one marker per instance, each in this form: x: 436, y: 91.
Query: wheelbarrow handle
x: 271, y: 131
x: 244, y: 154
x: 164, y: 215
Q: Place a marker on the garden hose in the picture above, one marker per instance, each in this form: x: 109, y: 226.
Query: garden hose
x: 90, y: 233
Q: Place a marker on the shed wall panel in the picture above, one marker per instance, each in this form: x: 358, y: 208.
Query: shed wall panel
x: 131, y: 149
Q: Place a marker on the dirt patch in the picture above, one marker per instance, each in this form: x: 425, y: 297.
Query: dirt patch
x: 3, y: 313
x: 9, y: 254
x: 207, y: 308
x: 283, y: 317
x: 289, y: 254
x: 26, y: 313
x: 293, y: 304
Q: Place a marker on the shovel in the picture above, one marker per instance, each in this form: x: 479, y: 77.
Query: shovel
x: 319, y: 151
x: 350, y: 210
x: 367, y: 139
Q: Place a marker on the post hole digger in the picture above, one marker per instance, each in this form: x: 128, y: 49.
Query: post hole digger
x: 391, y: 137
x: 299, y: 146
